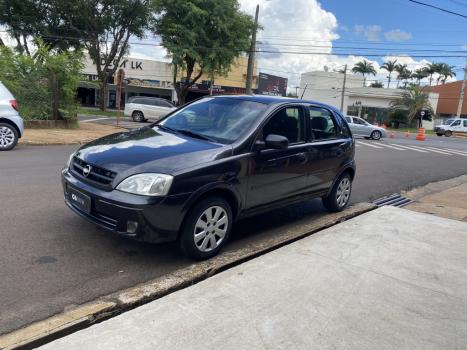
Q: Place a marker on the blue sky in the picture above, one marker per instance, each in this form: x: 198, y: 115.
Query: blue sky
x: 425, y: 28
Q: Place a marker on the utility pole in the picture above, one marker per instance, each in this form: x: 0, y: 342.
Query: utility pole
x: 343, y: 89
x: 251, y: 56
x: 461, y: 97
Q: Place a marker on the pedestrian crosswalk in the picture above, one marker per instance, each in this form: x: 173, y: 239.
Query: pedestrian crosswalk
x: 411, y: 148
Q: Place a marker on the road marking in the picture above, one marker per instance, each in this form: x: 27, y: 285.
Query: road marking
x: 392, y: 146
x: 367, y: 144
x: 412, y: 149
x: 450, y: 151
x: 432, y: 150
x: 455, y: 150
x: 94, y: 120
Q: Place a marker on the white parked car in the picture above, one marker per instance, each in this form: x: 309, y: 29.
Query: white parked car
x: 142, y: 108
x: 451, y: 125
x: 11, y: 124
x: 361, y: 128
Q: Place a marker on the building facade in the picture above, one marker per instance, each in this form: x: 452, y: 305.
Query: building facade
x: 449, y: 96
x: 370, y: 103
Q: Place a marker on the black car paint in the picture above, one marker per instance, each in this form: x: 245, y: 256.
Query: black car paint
x: 253, y: 180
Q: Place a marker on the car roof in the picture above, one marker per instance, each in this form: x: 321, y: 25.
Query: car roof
x: 266, y: 99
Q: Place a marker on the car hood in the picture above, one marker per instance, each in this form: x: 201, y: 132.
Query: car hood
x: 150, y: 149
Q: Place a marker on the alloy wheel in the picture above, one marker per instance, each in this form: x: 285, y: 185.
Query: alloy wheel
x: 7, y: 137
x: 343, y: 192
x: 376, y: 135
x: 211, y: 228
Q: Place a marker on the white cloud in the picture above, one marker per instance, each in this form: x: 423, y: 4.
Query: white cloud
x: 397, y: 35
x: 371, y: 33
x: 464, y: 47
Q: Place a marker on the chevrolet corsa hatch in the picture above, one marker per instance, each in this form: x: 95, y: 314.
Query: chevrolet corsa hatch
x: 190, y: 176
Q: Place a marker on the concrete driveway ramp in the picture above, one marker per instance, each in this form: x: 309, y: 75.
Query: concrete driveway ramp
x: 388, y: 279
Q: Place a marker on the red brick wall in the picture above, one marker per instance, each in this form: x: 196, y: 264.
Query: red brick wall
x: 449, y: 98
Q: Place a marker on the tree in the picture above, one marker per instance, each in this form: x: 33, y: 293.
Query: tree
x: 445, y: 71
x: 431, y: 69
x: 401, y: 70
x: 201, y: 36
x: 376, y: 84
x: 419, y: 74
x: 364, y: 67
x: 105, y: 28
x: 390, y: 66
x: 412, y: 100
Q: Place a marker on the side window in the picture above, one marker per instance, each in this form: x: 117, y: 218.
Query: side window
x: 166, y: 104
x: 358, y: 121
x: 465, y: 123
x: 456, y: 123
x: 288, y: 122
x: 323, y: 124
x: 348, y: 119
x: 344, y: 130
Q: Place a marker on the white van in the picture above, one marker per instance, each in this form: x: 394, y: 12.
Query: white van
x: 11, y: 124
x: 451, y: 125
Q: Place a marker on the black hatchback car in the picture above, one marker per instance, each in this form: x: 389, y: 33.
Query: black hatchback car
x: 188, y: 177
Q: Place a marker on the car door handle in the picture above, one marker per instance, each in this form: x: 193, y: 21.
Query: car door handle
x: 302, y: 157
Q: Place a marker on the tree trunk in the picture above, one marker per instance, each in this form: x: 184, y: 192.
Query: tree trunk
x: 103, y: 93
x: 389, y: 80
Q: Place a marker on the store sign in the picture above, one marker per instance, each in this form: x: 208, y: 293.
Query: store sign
x: 148, y: 83
x: 272, y: 85
x: 126, y: 64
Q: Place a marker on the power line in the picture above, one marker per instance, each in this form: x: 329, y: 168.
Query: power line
x: 438, y: 8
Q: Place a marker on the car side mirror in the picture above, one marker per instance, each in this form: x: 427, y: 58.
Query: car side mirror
x: 276, y: 141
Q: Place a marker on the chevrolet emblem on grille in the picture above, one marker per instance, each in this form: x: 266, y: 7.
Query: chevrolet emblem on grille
x: 87, y: 170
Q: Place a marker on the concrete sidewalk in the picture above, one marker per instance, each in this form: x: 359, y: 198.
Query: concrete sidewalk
x: 388, y: 279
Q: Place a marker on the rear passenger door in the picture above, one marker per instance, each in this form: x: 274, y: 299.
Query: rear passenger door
x: 330, y: 146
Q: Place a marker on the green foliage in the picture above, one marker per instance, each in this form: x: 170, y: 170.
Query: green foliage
x: 203, y: 34
x: 412, y: 101
x: 28, y: 78
x: 376, y: 84
x: 389, y: 66
x: 398, y: 117
x: 364, y: 67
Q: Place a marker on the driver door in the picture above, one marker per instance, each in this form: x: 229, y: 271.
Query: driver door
x: 274, y: 174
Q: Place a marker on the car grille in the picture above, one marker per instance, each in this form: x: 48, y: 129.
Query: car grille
x: 96, y: 174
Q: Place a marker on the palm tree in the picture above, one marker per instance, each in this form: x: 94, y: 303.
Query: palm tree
x: 446, y: 71
x: 401, y: 70
x: 364, y: 67
x: 431, y: 69
x: 412, y: 100
x: 390, y: 66
x: 419, y: 74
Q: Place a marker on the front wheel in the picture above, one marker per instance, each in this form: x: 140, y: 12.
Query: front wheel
x: 206, y: 228
x: 439, y: 134
x: 339, y: 197
x: 8, y: 137
x: 138, y: 117
x: 448, y: 133
x: 376, y: 135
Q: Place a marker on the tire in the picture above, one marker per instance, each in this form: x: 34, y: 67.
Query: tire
x: 198, y: 219
x: 8, y: 137
x: 138, y: 117
x: 376, y: 135
x: 448, y: 133
x: 439, y: 134
x: 333, y: 202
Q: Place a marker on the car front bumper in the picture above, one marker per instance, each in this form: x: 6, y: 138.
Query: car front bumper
x: 149, y: 219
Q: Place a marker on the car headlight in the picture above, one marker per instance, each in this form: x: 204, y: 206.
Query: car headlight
x: 68, y: 164
x: 147, y: 184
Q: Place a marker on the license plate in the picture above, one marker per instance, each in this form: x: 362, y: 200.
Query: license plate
x: 79, y: 200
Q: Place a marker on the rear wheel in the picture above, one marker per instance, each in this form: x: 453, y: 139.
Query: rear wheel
x: 8, y: 137
x: 448, y: 133
x: 339, y: 197
x: 206, y: 228
x: 439, y: 134
x: 138, y: 116
x: 376, y: 135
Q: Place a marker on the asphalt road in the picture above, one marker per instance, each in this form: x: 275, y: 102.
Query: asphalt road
x: 51, y: 259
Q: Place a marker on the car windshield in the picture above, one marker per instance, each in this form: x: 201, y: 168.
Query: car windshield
x: 448, y: 122
x: 218, y: 119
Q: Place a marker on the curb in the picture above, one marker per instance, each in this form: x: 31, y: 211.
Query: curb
x: 85, y: 315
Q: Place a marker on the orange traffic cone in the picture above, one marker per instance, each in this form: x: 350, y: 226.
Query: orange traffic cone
x: 407, y: 134
x: 421, y: 135
x: 392, y: 136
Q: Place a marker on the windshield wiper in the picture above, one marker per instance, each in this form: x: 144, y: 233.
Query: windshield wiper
x: 166, y: 128
x: 195, y: 135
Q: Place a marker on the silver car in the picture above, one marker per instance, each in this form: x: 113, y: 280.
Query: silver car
x: 142, y: 108
x: 361, y: 128
x: 11, y: 124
